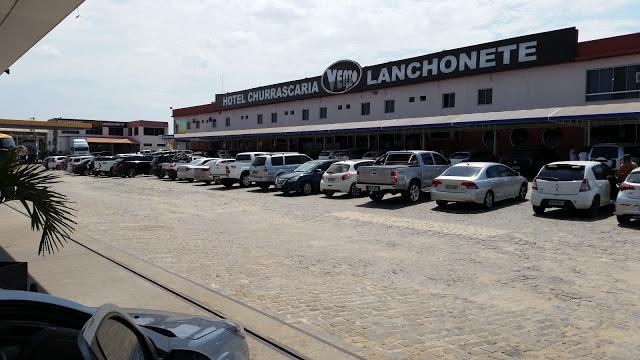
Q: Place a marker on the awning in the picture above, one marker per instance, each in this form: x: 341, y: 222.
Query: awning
x: 546, y: 115
x: 105, y: 140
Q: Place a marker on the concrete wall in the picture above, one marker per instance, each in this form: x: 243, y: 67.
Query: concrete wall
x: 539, y: 87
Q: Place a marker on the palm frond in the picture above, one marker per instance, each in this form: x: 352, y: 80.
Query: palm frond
x: 48, y: 209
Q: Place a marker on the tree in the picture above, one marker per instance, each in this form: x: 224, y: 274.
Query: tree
x: 30, y: 185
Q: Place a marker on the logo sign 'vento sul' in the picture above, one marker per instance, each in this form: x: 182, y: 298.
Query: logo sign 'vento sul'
x: 341, y: 76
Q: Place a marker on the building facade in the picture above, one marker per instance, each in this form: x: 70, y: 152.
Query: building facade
x: 542, y: 89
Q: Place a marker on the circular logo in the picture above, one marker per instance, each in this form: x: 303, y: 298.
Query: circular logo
x: 341, y: 76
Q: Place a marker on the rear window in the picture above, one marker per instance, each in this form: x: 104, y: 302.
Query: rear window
x: 607, y: 152
x: 259, y: 161
x: 462, y: 171
x: 243, y: 158
x: 276, y: 160
x: 394, y: 159
x: 561, y: 173
x: 634, y: 178
x: 337, y: 168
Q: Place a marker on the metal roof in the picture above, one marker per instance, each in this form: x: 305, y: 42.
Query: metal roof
x: 546, y: 115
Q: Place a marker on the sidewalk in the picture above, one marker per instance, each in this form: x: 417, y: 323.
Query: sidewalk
x: 80, y: 275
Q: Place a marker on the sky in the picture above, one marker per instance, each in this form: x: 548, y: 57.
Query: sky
x: 132, y: 60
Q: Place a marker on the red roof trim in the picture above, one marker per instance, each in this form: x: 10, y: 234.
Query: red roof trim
x: 195, y: 110
x: 609, y: 47
x: 148, y: 123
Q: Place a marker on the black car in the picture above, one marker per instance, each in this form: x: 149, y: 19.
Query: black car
x: 155, y: 167
x: 528, y: 160
x: 84, y: 167
x: 305, y: 179
x: 131, y: 166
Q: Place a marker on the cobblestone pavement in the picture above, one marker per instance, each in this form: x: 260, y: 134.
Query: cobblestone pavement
x: 388, y: 280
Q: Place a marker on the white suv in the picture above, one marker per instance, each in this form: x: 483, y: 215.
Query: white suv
x: 580, y: 185
x: 628, y: 201
x: 612, y: 154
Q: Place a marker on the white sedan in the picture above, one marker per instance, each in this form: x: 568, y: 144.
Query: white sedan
x: 205, y: 173
x: 478, y: 182
x: 342, y: 176
x: 187, y: 171
x: 628, y: 201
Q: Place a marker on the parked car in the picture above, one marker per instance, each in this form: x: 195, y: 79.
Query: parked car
x: 57, y: 162
x: 585, y: 185
x: 628, y: 200
x: 472, y: 156
x: 238, y: 171
x: 305, y: 179
x: 216, y: 169
x: 130, y: 166
x: 266, y: 168
x: 84, y: 167
x: 373, y: 154
x: 478, y: 182
x: 188, y: 171
x: 46, y: 161
x: 327, y: 154
x: 170, y: 168
x: 73, y: 161
x: 40, y: 326
x: 612, y: 154
x: 528, y: 159
x: 402, y: 172
x: 227, y: 154
x: 105, y: 164
x: 341, y: 177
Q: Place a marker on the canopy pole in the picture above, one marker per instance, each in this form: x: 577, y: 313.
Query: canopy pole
x: 369, y: 138
x: 495, y: 141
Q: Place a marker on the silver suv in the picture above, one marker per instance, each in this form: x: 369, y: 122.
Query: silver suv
x: 264, y: 169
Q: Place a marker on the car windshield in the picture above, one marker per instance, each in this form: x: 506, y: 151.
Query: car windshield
x: 308, y: 166
x: 460, y: 155
x: 561, y: 172
x: 337, y: 168
x: 243, y: 158
x: 259, y: 161
x: 6, y: 143
x: 633, y: 178
x: 607, y: 152
x: 462, y: 171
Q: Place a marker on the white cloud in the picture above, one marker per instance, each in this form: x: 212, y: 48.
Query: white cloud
x: 131, y: 60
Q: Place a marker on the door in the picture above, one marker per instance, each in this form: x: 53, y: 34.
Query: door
x: 429, y: 169
x: 441, y: 163
x: 499, y: 183
x: 513, y: 181
x: 603, y: 187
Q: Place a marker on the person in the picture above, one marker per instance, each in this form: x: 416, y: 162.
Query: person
x: 583, y: 154
x: 626, y: 167
x: 573, y: 155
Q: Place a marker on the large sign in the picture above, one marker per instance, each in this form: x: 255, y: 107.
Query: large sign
x: 548, y: 48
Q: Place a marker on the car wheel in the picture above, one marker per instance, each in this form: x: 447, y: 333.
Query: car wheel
x: 413, y: 193
x: 207, y: 182
x: 594, y: 209
x: 488, y: 200
x: 624, y: 219
x: 244, y: 180
x: 539, y: 210
x: 307, y: 188
x: 376, y: 196
x: 328, y: 193
x: 354, y: 191
x: 172, y: 175
x: 190, y: 180
x: 442, y: 203
x: 285, y: 192
x: 264, y: 186
x: 132, y: 173
x: 522, y: 194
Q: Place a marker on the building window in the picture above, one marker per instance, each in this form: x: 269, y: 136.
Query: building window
x: 94, y: 131
x: 286, y: 113
x: 412, y: 99
x: 259, y: 119
x: 423, y: 98
x: 389, y: 106
x: 160, y: 145
x: 227, y: 122
x: 147, y: 144
x: 622, y: 82
x: 448, y: 100
x: 210, y: 119
x: 274, y: 117
x: 188, y: 125
x: 519, y: 137
x: 214, y: 123
x: 291, y: 112
x: 197, y: 124
x: 73, y: 131
x: 116, y: 131
x: 157, y: 131
x: 305, y: 114
x: 130, y: 131
x: 323, y: 113
x: 485, y: 96
x: 339, y: 107
x: 135, y: 131
x: 365, y: 108
x: 348, y: 106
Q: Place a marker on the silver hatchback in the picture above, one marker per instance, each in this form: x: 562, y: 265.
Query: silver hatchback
x: 264, y: 169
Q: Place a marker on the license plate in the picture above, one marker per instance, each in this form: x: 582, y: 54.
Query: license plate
x: 451, y: 187
x: 331, y: 179
x: 556, y: 202
x: 373, y: 188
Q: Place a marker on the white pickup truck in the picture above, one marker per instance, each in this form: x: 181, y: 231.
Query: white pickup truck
x: 104, y: 165
x: 238, y: 170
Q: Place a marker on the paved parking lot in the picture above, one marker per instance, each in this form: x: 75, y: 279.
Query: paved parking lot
x: 388, y: 280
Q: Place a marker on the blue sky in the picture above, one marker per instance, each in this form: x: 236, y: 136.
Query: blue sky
x: 129, y: 60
